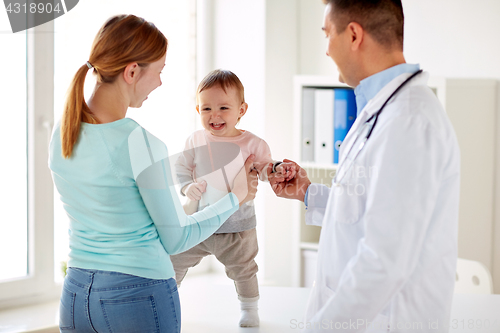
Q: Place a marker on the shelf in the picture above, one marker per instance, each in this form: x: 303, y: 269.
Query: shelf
x: 309, y: 246
x: 312, y: 165
x: 306, y: 237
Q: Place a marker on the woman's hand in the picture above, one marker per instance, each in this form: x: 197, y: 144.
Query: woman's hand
x: 245, y: 183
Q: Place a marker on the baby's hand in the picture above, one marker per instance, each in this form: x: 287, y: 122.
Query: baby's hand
x: 286, y: 171
x: 194, y: 190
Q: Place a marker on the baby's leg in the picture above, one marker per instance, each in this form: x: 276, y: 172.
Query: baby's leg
x: 190, y: 258
x: 237, y: 252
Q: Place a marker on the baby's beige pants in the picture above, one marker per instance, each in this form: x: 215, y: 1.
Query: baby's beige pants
x: 236, y: 251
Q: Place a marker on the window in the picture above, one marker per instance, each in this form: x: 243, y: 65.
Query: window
x: 13, y: 145
x: 27, y: 240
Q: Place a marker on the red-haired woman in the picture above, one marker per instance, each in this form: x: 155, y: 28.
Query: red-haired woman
x: 115, y: 183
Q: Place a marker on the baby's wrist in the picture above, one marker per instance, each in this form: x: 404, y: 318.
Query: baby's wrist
x: 183, y: 190
x: 275, y: 164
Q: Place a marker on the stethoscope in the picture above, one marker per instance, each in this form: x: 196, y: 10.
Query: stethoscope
x: 368, y: 126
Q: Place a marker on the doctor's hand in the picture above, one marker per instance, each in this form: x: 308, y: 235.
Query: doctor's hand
x: 194, y: 190
x: 290, y: 189
x: 287, y: 170
x: 245, y: 183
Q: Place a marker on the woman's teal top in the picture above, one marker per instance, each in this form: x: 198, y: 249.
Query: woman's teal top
x: 124, y: 213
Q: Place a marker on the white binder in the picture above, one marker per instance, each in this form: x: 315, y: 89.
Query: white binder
x: 307, y: 150
x: 323, y: 126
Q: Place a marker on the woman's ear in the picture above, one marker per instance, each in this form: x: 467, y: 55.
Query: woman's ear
x: 131, y: 72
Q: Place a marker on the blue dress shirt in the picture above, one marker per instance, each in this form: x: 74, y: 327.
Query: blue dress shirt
x: 370, y: 87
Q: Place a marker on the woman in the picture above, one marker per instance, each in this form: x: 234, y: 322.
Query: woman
x: 115, y: 183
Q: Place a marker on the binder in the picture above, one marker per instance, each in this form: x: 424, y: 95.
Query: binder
x: 307, y: 151
x: 345, y: 115
x: 323, y: 125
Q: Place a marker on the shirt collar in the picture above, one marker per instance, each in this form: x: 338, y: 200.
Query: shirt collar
x: 370, y: 87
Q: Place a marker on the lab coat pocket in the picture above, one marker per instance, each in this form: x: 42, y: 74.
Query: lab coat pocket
x: 346, y: 204
x: 326, y: 294
x: 378, y: 325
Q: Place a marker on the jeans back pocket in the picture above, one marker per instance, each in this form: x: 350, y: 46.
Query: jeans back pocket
x: 136, y: 314
x: 66, y: 311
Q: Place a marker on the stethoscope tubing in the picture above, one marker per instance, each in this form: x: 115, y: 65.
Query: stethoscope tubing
x: 375, y: 115
x: 387, y: 101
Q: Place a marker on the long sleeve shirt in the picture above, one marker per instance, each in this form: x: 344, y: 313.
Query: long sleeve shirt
x: 123, y: 209
x: 217, y: 160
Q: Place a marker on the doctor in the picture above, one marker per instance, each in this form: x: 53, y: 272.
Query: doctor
x: 388, y: 245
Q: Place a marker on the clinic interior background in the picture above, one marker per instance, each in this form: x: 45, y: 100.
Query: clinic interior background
x: 266, y: 43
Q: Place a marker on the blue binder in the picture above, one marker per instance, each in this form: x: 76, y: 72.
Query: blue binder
x: 345, y: 115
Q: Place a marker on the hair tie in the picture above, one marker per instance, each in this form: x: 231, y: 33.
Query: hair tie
x: 89, y: 65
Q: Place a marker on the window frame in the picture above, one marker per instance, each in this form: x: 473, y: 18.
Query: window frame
x: 39, y: 284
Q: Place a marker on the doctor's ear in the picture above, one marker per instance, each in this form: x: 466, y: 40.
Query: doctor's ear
x: 356, y: 35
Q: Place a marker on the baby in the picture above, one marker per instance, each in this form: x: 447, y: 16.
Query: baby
x: 208, y: 165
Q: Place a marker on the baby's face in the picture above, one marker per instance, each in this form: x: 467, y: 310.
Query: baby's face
x: 220, y: 111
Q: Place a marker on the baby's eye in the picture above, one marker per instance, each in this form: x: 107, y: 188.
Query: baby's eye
x: 206, y: 109
x: 224, y: 108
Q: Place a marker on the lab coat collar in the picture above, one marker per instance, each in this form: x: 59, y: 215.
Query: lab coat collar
x: 370, y: 86
x: 376, y: 102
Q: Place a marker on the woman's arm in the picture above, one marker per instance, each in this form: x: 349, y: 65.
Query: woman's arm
x: 152, y: 173
x: 184, y: 165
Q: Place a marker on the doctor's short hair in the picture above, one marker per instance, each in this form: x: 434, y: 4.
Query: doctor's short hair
x: 382, y: 19
x: 224, y: 79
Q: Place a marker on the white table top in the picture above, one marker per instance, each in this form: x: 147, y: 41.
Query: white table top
x: 217, y: 309
x: 210, y: 305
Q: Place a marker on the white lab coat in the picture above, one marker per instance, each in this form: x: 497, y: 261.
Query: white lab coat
x: 388, y: 245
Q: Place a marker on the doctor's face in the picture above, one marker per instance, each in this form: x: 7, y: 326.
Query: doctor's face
x: 337, y: 46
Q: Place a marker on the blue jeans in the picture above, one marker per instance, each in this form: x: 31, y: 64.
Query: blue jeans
x: 102, y: 301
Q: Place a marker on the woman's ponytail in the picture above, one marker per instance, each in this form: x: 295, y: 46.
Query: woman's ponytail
x: 75, y: 111
x: 122, y: 40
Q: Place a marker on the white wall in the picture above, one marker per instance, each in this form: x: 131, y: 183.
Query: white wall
x: 448, y: 38
x: 454, y: 38
x: 238, y: 44
x: 253, y: 39
x: 312, y: 42
x: 281, y: 65
x: 461, y: 40
x: 239, y: 34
